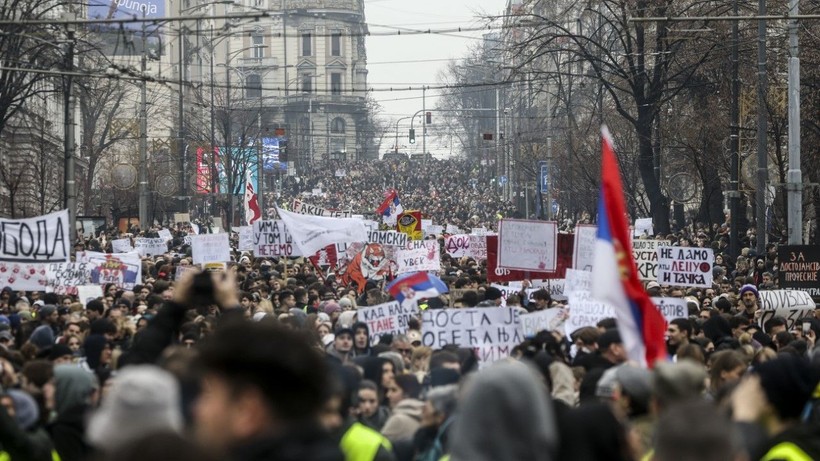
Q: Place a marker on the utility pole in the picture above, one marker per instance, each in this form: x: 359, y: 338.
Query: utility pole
x: 794, y: 175
x: 69, y: 180
x: 228, y: 135
x: 212, y: 153
x: 424, y: 124
x: 762, y: 128
x: 734, y: 138
x: 143, y: 143
x: 183, y: 191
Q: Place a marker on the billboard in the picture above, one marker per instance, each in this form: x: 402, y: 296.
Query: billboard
x: 242, y: 158
x: 271, y: 148
x: 128, y: 38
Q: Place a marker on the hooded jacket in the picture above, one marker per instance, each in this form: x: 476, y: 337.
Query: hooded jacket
x: 366, y: 350
x: 73, y: 387
x: 405, y: 420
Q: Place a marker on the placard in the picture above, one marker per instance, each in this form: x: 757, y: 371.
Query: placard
x: 42, y: 239
x: 418, y: 256
x: 165, y: 234
x: 301, y: 207
x: 672, y: 308
x: 86, y: 293
x: 207, y: 248
x: 63, y: 278
x: 492, y: 332
x: 799, y: 267
x: 23, y: 276
x: 181, y: 270
x: 685, y: 266
x: 583, y: 253
x: 121, y: 246
x: 792, y: 305
x: 527, y: 245
x: 643, y: 228
x: 646, y: 258
x: 388, y: 238
x: 458, y: 245
x: 386, y: 318
x: 272, y: 239
x: 434, y: 230
x: 150, y: 246
x: 546, y: 320
x: 478, y: 247
x: 122, y: 269
x: 503, y: 274
x: 245, y: 234
x: 584, y: 311
x: 577, y: 281
x: 182, y: 218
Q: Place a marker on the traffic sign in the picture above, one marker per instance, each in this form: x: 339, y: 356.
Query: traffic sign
x: 502, y: 180
x: 544, y: 178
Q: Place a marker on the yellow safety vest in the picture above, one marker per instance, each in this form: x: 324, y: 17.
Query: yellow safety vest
x: 4, y: 456
x: 361, y: 443
x: 786, y: 451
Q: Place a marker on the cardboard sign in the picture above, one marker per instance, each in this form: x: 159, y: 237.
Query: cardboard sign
x: 121, y: 246
x: 646, y: 258
x: 182, y: 218
x: 584, y: 311
x: 301, y: 207
x: 685, y: 266
x: 527, y: 245
x: 502, y: 274
x: 42, y: 239
x: 386, y: 318
x: 150, y: 246
x: 584, y: 249
x: 492, y: 332
x: 672, y: 308
x: 63, y: 278
x: 792, y: 305
x: 210, y: 248
x: 799, y: 268
x: 122, y: 269
x: 457, y: 246
x: 643, y: 227
x: 545, y: 320
x: 418, y: 256
x: 271, y: 238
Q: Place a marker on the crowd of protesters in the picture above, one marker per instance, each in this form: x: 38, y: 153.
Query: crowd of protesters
x: 269, y: 361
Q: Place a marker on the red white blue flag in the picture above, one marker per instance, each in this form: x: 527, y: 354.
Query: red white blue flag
x: 390, y: 209
x: 614, y: 274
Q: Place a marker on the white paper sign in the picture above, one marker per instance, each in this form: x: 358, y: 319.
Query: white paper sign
x: 453, y: 229
x: 478, y: 247
x: 434, y: 229
x: 63, y: 278
x: 584, y: 311
x: 312, y: 233
x: 210, y: 248
x: 672, y: 308
x: 165, y: 234
x: 386, y: 318
x: 527, y: 245
x: 457, y: 246
x: 150, y: 246
x: 577, y: 280
x: 545, y: 320
x: 792, y: 305
x: 646, y: 258
x: 301, y: 207
x: 492, y: 332
x: 685, y: 266
x: 583, y: 252
x: 643, y: 227
x: 507, y: 291
x: 418, y: 255
x: 122, y: 245
x: 388, y: 238
x: 86, y: 293
x: 271, y: 239
x: 42, y: 239
x: 245, y: 238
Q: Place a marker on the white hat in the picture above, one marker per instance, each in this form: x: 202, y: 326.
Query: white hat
x: 143, y: 399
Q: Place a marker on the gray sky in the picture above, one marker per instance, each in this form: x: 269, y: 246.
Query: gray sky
x: 436, y: 49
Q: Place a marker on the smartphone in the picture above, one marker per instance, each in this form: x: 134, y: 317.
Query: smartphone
x: 806, y: 328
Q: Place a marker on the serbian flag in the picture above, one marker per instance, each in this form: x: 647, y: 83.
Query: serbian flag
x: 252, y: 212
x: 390, y: 208
x: 614, y: 274
x: 413, y: 286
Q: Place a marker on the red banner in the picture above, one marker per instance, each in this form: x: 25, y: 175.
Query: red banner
x: 499, y: 274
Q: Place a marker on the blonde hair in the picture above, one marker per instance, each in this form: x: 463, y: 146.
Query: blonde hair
x: 265, y: 306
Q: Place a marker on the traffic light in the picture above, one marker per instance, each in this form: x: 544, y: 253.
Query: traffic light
x: 412, y: 136
x: 429, y: 117
x: 283, y: 151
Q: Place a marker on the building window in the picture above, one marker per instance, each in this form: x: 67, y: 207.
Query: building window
x: 336, y: 83
x: 306, y: 44
x: 307, y: 83
x: 337, y: 126
x: 258, y: 44
x: 253, y: 86
x: 336, y: 44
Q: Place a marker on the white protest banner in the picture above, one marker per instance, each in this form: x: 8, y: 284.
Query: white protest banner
x: 42, y: 239
x: 545, y: 320
x: 425, y: 223
x: 792, y: 305
x: 458, y: 245
x: 312, y: 233
x: 301, y: 207
x: 452, y: 229
x: 182, y: 218
x: 122, y: 245
x: 63, y: 278
x: 386, y: 318
x: 86, y: 293
x: 181, y: 270
x: 527, y: 245
x: 577, y: 280
x: 122, y: 269
x: 507, y: 291
x: 478, y: 247
x: 207, y: 248
x: 646, y: 258
x: 672, y: 308
x: 23, y: 276
x: 584, y: 311
x: 271, y: 238
x: 492, y: 332
x: 165, y: 234
x: 418, y: 256
x: 245, y: 234
x: 388, y: 238
x: 150, y: 246
x: 433, y: 229
x: 480, y: 231
x: 685, y: 266
x: 369, y: 224
x: 583, y: 251
x: 643, y: 227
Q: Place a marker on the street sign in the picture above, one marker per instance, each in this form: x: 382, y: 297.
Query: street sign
x: 502, y: 180
x: 544, y: 178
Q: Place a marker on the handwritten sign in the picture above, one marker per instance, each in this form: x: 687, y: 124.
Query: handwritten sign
x: 39, y: 239
x: 417, y: 256
x: 545, y: 320
x: 527, y: 245
x: 122, y: 269
x: 245, y: 238
x: 434, y: 229
x: 799, y: 268
x: 584, y: 249
x: 585, y: 311
x: 271, y: 238
x: 492, y: 332
x: 210, y: 248
x: 63, y: 278
x: 386, y: 318
x: 457, y: 246
x: 792, y: 305
x: 86, y: 293
x: 305, y: 208
x: 150, y: 246
x: 182, y: 218
x: 577, y: 281
x: 122, y: 246
x: 646, y: 257
x: 643, y: 227
x: 181, y: 270
x: 672, y: 308
x: 503, y: 274
x: 165, y: 234
x: 388, y: 238
x: 685, y: 266
x: 478, y: 247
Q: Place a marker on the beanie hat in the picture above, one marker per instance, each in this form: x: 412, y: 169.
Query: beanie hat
x: 749, y: 287
x: 59, y: 350
x: 788, y: 383
x: 42, y: 337
x: 46, y: 311
x: 26, y: 411
x: 331, y: 307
